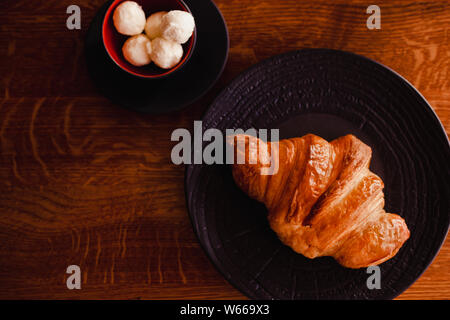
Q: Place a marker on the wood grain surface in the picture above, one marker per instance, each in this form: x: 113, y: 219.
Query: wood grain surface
x: 85, y: 182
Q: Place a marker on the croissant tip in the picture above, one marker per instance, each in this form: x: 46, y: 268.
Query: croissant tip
x: 230, y: 139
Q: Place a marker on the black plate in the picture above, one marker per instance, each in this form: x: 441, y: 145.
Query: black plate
x: 328, y: 93
x: 173, y: 92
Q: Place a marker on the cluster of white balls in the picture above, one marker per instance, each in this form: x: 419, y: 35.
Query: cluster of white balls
x: 165, y: 32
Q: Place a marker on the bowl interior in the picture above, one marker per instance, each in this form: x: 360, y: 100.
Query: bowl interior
x: 113, y: 40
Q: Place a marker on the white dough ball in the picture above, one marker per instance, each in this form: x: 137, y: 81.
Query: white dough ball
x: 177, y: 26
x: 153, y: 25
x: 129, y: 18
x: 137, y: 50
x: 165, y: 53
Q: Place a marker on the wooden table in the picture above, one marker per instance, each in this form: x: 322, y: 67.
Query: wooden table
x: 85, y: 182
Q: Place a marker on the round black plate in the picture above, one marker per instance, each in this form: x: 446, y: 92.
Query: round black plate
x: 175, y: 91
x: 328, y: 93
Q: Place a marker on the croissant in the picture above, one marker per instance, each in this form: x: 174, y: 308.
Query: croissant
x: 323, y: 200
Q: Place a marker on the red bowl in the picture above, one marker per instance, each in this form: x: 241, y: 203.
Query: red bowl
x: 113, y: 40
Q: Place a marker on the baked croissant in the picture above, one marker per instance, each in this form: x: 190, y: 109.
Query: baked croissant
x: 323, y: 200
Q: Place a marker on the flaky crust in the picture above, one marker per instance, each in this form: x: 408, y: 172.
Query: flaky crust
x: 324, y: 200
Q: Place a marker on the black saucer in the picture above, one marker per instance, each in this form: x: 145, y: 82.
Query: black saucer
x: 175, y: 91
